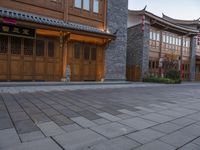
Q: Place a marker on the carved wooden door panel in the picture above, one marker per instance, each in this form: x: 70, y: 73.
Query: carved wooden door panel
x: 28, y: 63
x: 76, y: 63
x: 16, y: 59
x: 86, y: 63
x: 40, y: 61
x: 92, y: 65
x: 89, y: 63
x: 4, y: 65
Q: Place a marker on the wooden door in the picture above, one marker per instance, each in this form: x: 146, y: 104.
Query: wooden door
x: 86, y: 63
x: 93, y: 61
x: 89, y: 63
x: 76, y: 51
x: 83, y: 61
x: 28, y: 63
x: 4, y: 65
x: 54, y: 55
x: 16, y: 59
x: 51, y: 61
x: 40, y: 69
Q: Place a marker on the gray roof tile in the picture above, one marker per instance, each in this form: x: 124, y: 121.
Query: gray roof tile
x: 4, y: 12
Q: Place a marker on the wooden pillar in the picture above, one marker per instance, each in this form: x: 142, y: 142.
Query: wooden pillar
x: 66, y: 10
x: 160, y: 51
x: 105, y: 15
x: 181, y: 54
x: 9, y: 59
x: 181, y: 59
x: 64, y: 47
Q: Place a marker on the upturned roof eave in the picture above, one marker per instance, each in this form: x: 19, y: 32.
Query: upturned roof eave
x: 164, y: 21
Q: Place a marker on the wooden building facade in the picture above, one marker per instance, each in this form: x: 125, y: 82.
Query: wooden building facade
x: 152, y: 40
x: 39, y: 38
x: 192, y: 24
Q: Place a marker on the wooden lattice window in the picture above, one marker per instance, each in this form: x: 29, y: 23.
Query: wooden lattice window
x: 3, y: 44
x: 39, y: 48
x: 51, y: 49
x: 93, y: 53
x: 28, y: 47
x: 15, y: 45
x: 87, y: 53
x: 77, y: 51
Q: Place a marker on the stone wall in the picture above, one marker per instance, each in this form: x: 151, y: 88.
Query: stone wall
x: 192, y: 59
x: 115, y: 56
x: 146, y: 48
x: 135, y: 46
x: 138, y: 47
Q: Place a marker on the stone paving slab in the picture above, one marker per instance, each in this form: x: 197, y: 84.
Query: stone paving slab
x: 138, y: 123
x: 177, y: 139
x: 193, y: 130
x: 19, y: 116
x: 145, y: 136
x: 172, y: 113
x: 25, y: 126
x: 27, y: 137
x: 5, y: 123
x: 124, y: 116
x: 145, y: 109
x: 40, y: 118
x: 197, y: 141
x: 79, y: 139
x: 71, y: 127
x: 61, y: 120
x: 184, y: 110
x: 113, y: 130
x: 109, y: 116
x: 195, y: 116
x: 43, y: 144
x: 167, y: 127
x: 50, y: 129
x: 101, y: 121
x: 156, y: 145
x: 183, y: 122
x: 83, y: 122
x: 121, y: 143
x: 8, y: 137
x: 158, y: 106
x: 131, y: 113
x: 157, y: 117
x: 190, y: 146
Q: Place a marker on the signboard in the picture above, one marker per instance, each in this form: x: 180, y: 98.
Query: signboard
x: 13, y: 30
x: 9, y: 21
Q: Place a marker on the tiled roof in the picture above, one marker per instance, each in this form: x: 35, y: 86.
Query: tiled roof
x: 165, y: 22
x: 4, y: 12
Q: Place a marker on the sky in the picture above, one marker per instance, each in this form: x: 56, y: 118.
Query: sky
x: 178, y: 9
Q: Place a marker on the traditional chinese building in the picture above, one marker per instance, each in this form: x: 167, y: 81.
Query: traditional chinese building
x: 193, y: 24
x: 151, y: 39
x: 39, y: 38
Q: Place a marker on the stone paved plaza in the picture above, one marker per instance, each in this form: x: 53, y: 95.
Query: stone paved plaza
x: 100, y: 117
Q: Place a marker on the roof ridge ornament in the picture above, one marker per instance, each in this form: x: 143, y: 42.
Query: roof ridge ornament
x: 144, y: 9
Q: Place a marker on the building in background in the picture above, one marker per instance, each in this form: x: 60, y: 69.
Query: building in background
x: 39, y: 38
x: 151, y: 39
x: 192, y: 24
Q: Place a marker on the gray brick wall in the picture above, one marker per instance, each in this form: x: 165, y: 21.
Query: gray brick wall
x: 146, y: 48
x: 138, y: 47
x: 192, y: 59
x: 115, y: 56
